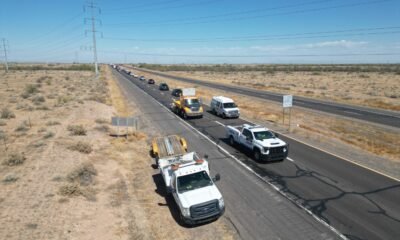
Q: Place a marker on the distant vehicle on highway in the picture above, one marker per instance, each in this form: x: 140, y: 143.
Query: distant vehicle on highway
x: 224, y: 107
x: 142, y: 78
x: 177, y: 92
x: 151, y: 81
x: 264, y: 144
x: 163, y: 87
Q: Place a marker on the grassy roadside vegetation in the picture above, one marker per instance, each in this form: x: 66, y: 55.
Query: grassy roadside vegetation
x: 52, y: 67
x: 271, y: 68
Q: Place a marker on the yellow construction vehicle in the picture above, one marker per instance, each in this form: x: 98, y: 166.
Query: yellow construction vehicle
x: 188, y: 104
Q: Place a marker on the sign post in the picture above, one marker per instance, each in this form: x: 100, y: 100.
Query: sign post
x: 287, y: 103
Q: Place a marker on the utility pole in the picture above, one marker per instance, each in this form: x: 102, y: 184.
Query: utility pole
x: 92, y: 18
x: 5, y: 54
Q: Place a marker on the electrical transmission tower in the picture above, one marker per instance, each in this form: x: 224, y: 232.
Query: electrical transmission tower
x: 93, y: 11
x: 5, y: 49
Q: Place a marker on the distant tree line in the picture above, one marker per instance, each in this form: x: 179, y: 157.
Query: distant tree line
x: 271, y: 68
x: 37, y: 67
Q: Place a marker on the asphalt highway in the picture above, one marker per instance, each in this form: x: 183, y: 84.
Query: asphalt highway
x: 382, y: 117
x: 357, y: 202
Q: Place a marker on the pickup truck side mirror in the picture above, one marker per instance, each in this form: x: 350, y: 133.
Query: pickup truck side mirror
x: 217, y: 178
x: 205, y: 156
x: 248, y: 138
x: 276, y: 135
x: 170, y: 190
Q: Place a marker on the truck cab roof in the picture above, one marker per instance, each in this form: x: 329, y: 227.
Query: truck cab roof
x: 223, y: 99
x: 255, y: 128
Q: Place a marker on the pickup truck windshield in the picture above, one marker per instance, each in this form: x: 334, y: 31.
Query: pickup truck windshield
x: 263, y: 135
x: 230, y: 105
x: 193, y: 181
x: 192, y: 102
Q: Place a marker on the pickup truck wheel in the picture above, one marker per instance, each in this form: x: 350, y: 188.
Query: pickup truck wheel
x: 231, y: 141
x: 223, y: 116
x: 257, y: 155
x: 184, y: 115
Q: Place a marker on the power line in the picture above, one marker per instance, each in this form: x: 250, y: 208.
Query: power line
x: 183, y: 21
x: 93, y: 30
x: 203, y: 3
x: 143, y: 5
x: 362, y: 32
x: 5, y: 54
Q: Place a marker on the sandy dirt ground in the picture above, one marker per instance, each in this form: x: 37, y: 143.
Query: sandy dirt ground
x: 62, y: 176
x: 370, y: 145
x: 378, y: 90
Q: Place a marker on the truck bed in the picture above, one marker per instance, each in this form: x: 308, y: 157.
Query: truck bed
x: 169, y: 146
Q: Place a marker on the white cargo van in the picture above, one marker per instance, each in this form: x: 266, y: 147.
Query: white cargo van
x: 224, y: 107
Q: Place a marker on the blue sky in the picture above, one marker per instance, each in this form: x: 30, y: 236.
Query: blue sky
x: 205, y: 31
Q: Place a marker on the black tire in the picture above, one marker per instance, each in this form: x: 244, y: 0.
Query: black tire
x: 223, y: 115
x: 184, y: 115
x: 231, y: 141
x: 257, y: 155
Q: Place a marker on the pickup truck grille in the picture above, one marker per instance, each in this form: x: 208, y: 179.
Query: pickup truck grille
x: 204, y: 210
x: 195, y: 109
x: 276, y: 150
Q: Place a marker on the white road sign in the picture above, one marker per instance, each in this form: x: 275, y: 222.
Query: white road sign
x: 287, y: 101
x: 187, y: 92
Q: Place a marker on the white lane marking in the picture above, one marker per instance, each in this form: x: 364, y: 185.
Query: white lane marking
x: 354, y: 113
x: 256, y: 174
x: 162, y: 93
x: 219, y: 123
x: 288, y: 158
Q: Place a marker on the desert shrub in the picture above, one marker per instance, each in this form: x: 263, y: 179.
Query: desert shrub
x: 23, y: 127
x: 6, y: 113
x: 31, y: 89
x: 15, y: 159
x: 83, y: 174
x: 102, y: 121
x: 70, y: 189
x: 10, y: 178
x: 48, y: 135
x: 2, y: 123
x: 13, y: 100
x: 43, y: 108
x: 52, y: 123
x: 25, y: 95
x: 41, y: 79
x: 38, y: 144
x: 102, y: 128
x: 77, y: 130
x: 3, y: 135
x: 38, y: 99
x: 61, y: 100
x: 81, y: 147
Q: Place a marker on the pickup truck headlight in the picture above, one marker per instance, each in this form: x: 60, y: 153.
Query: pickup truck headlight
x: 221, y: 203
x: 186, y: 212
x: 284, y: 149
x: 266, y: 150
x: 187, y: 109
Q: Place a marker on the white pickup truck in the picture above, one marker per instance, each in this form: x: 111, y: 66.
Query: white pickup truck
x: 264, y: 144
x: 187, y: 178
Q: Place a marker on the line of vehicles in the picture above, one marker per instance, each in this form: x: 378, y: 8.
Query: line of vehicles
x: 186, y: 175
